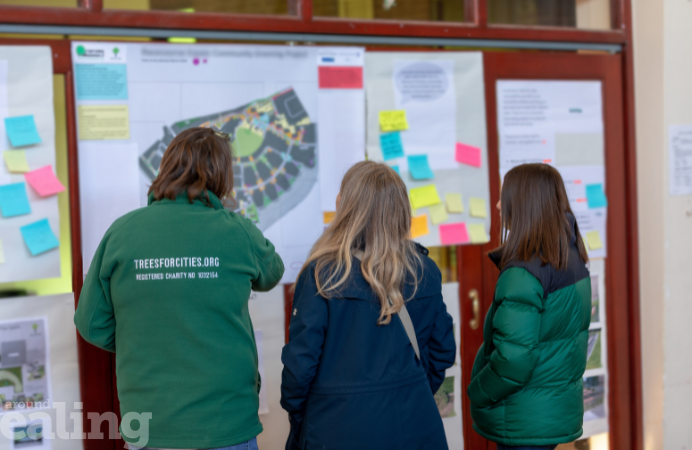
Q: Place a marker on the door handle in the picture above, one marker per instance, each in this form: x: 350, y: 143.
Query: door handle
x: 476, y: 309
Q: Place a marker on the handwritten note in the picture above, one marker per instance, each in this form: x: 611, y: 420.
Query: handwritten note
x: 39, y: 237
x: 595, y: 196
x: 478, y: 234
x: 468, y: 155
x: 393, y: 120
x: 438, y: 214
x: 44, y: 181
x: 419, y: 167
x: 419, y: 226
x: 454, y: 203
x: 13, y: 200
x: 454, y: 234
x: 22, y: 131
x: 391, y: 145
x: 16, y: 161
x: 594, y: 240
x: 477, y: 207
x: 328, y: 217
x: 424, y: 196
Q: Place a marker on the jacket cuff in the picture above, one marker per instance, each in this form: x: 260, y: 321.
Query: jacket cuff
x: 477, y: 395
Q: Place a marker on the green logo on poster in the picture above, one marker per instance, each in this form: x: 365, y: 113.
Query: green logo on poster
x: 34, y: 327
x: 80, y: 50
x: 116, y: 50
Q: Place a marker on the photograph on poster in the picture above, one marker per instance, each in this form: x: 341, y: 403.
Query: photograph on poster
x: 595, y: 301
x: 593, y: 351
x: 29, y: 435
x: 24, y: 363
x: 594, y: 398
x: 444, y: 397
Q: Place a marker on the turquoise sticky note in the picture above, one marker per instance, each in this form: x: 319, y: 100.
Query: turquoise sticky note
x: 419, y: 167
x: 101, y: 81
x: 13, y: 200
x: 39, y: 237
x: 595, y: 196
x: 396, y: 169
x: 391, y: 145
x: 22, y: 130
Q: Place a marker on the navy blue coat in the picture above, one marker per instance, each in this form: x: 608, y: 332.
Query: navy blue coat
x: 349, y: 383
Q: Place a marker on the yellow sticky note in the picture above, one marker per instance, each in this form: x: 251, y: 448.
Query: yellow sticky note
x: 103, y: 122
x: 2, y: 253
x: 328, y: 216
x: 424, y: 196
x: 594, y: 240
x: 16, y: 161
x: 478, y: 207
x: 393, y: 120
x: 477, y: 233
x: 419, y: 226
x: 438, y: 214
x: 454, y: 203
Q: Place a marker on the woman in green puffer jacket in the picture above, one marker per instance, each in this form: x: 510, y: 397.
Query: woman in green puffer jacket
x: 526, y: 389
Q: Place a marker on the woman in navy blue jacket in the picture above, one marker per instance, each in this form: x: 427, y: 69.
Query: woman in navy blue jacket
x: 351, y: 378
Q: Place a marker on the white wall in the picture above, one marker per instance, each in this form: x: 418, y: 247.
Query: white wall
x: 663, y: 83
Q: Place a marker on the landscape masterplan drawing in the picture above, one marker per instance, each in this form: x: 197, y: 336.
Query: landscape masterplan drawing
x: 275, y: 154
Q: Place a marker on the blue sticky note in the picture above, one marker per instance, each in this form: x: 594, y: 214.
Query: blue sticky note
x: 595, y: 196
x: 22, y: 131
x: 101, y: 81
x: 396, y: 169
x: 419, y: 167
x: 13, y: 200
x: 391, y: 145
x: 39, y: 237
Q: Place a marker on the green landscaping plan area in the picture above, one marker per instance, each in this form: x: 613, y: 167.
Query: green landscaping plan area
x: 274, y: 154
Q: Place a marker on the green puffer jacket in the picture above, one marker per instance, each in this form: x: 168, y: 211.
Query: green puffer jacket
x: 526, y: 387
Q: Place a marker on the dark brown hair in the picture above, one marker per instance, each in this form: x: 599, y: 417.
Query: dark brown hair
x: 533, y: 223
x: 197, y: 160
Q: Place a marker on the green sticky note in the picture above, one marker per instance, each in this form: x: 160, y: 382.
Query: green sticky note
x: 478, y: 207
x: 424, y: 196
x: 16, y: 161
x: 438, y: 214
x: 477, y: 233
x: 594, y: 240
x: 454, y: 203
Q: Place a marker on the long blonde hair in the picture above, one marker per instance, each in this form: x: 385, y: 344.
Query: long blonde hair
x: 374, y: 217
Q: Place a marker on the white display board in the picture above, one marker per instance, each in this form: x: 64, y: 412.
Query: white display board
x: 26, y: 89
x: 295, y: 113
x: 39, y: 341
x: 559, y: 123
x: 443, y: 97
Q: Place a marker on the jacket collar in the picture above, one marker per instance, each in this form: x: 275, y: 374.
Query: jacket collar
x: 181, y: 198
x: 496, y: 256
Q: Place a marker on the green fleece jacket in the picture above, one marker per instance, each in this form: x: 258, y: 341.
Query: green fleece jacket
x: 168, y: 291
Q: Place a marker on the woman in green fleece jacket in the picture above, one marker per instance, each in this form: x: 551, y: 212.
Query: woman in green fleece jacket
x: 167, y: 292
x: 526, y: 386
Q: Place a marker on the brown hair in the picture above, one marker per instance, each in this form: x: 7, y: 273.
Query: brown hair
x: 533, y: 223
x: 374, y: 216
x: 197, y: 160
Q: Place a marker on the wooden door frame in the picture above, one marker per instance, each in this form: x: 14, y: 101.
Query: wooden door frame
x: 622, y: 299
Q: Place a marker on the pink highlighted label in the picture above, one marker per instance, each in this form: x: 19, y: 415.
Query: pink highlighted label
x: 468, y: 155
x: 44, y: 181
x: 454, y: 234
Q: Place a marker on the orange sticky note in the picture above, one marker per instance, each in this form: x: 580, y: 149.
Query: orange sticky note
x: 44, y: 181
x: 419, y: 226
x: 328, y: 216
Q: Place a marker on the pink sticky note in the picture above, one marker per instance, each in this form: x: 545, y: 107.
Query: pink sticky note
x: 466, y: 154
x: 44, y: 181
x: 454, y: 233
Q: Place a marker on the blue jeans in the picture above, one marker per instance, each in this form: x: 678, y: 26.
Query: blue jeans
x: 531, y: 447
x: 249, y: 445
